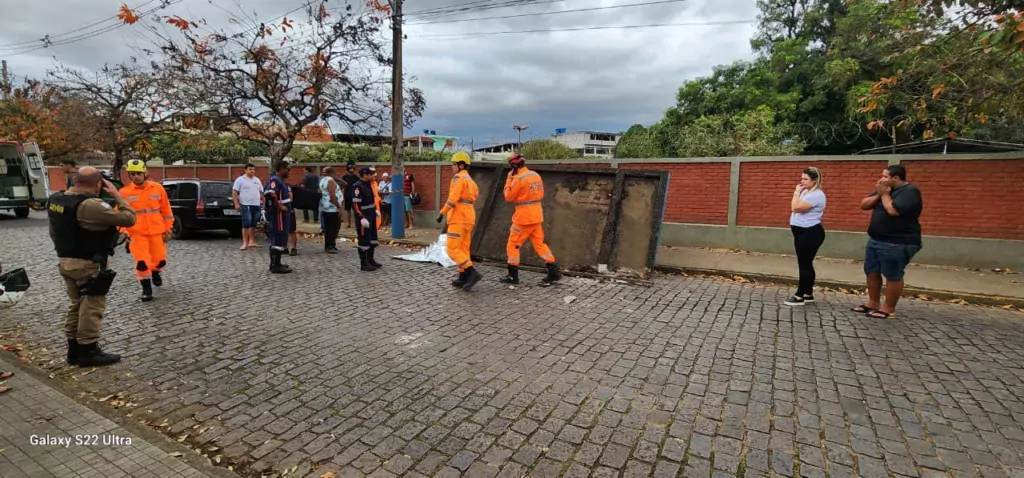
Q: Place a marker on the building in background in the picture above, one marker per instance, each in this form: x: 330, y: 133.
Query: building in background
x: 588, y: 143
x: 431, y: 141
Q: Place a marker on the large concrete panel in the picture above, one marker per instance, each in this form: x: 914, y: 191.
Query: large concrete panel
x: 591, y: 217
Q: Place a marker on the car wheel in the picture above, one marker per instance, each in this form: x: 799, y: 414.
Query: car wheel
x: 21, y: 212
x: 178, y: 230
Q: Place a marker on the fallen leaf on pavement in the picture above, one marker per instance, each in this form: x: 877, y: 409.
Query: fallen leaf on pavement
x: 329, y: 474
x: 176, y: 454
x: 569, y: 299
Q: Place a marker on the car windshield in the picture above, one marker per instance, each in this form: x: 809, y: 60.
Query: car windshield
x: 216, y: 190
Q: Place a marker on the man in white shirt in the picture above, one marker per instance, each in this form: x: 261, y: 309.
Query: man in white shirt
x: 247, y: 193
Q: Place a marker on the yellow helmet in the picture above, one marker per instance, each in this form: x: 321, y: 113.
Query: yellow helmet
x: 136, y: 166
x: 461, y: 156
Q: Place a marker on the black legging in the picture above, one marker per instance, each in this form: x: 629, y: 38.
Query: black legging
x: 806, y: 241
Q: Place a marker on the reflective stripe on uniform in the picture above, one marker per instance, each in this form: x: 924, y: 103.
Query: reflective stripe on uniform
x: 516, y: 229
x: 452, y: 234
x: 462, y: 263
x: 286, y: 201
x: 465, y: 201
x: 547, y: 256
x: 526, y: 203
x: 358, y: 200
x: 528, y: 175
x: 367, y: 207
x: 169, y: 218
x: 146, y: 211
x: 449, y: 204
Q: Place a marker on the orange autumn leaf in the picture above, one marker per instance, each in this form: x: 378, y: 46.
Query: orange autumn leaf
x: 178, y: 22
x: 126, y: 15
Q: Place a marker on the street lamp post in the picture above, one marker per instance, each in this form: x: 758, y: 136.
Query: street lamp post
x: 519, y: 129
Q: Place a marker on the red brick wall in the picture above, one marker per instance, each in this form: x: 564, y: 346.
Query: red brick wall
x: 766, y: 190
x: 698, y: 193
x: 975, y: 199
x: 962, y: 198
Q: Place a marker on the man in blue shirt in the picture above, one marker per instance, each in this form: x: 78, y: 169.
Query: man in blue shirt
x: 279, y: 216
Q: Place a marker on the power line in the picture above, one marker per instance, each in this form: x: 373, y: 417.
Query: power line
x: 453, y: 36
x: 100, y: 22
x: 476, y: 6
x: 591, y: 9
x: 93, y: 34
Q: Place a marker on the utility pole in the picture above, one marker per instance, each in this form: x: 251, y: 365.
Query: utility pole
x: 397, y: 125
x: 5, y: 83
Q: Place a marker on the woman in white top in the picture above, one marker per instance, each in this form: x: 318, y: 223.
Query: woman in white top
x: 807, y: 207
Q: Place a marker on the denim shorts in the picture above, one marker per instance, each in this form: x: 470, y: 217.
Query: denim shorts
x: 250, y: 216
x: 888, y: 258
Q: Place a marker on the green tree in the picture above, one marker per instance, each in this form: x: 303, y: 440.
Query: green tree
x: 639, y: 142
x: 546, y: 149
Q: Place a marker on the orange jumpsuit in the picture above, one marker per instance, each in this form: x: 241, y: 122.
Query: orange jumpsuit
x: 526, y: 190
x: 153, y: 211
x: 376, y: 201
x: 462, y: 193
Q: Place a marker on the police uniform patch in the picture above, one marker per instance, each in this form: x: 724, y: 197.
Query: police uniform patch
x: 355, y: 192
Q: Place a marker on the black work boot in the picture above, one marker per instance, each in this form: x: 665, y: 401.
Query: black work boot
x: 553, y: 274
x: 157, y: 280
x: 90, y: 355
x: 370, y: 258
x: 147, y: 290
x: 461, y: 281
x: 276, y: 266
x: 73, y: 352
x: 364, y: 262
x: 512, y: 277
x: 472, y: 277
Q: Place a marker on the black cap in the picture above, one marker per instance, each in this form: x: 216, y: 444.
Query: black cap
x: 365, y: 171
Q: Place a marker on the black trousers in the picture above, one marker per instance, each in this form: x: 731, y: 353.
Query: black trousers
x: 807, y: 241
x: 332, y: 226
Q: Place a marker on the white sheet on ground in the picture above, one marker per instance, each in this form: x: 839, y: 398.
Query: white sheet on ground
x: 9, y: 299
x: 435, y: 253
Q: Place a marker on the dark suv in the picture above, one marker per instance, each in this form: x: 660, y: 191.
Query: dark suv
x: 202, y: 205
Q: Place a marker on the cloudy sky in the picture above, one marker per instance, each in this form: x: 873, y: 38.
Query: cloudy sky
x: 478, y: 79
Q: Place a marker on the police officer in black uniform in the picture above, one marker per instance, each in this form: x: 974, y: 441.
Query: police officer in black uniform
x: 84, y: 232
x: 366, y: 219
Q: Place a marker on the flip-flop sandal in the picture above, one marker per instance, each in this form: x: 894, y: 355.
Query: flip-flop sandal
x: 863, y: 309
x: 878, y: 314
x: 6, y: 375
x: 4, y: 390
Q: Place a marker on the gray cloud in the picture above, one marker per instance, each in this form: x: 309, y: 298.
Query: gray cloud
x: 476, y: 86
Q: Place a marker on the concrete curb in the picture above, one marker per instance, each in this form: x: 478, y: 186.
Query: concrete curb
x: 908, y: 292
x: 198, y: 462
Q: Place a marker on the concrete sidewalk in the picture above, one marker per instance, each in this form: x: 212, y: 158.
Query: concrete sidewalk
x: 942, y: 282
x: 44, y: 433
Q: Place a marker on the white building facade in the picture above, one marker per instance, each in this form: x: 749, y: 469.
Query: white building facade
x: 589, y: 143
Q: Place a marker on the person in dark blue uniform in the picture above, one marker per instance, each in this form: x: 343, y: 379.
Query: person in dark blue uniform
x: 279, y: 216
x: 365, y: 207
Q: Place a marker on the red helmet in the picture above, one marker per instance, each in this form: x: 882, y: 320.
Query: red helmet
x: 516, y: 158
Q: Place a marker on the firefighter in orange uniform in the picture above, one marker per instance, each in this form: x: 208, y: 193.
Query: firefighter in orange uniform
x: 148, y: 237
x: 462, y: 193
x: 525, y: 189
x: 376, y: 194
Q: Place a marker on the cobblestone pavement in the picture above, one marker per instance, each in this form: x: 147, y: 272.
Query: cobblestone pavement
x: 396, y: 373
x: 46, y: 434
